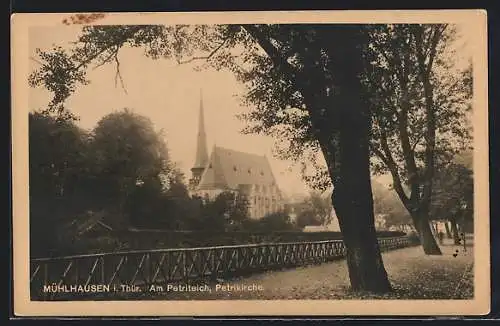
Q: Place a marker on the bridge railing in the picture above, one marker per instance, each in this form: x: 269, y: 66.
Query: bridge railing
x: 56, y: 275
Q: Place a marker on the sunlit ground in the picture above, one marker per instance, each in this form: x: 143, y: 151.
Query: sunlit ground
x: 413, y: 275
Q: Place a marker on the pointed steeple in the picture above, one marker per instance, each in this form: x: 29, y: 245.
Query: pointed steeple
x: 201, y: 158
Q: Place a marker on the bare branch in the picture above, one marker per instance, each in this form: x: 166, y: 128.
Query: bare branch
x: 419, y: 138
x: 118, y: 74
x: 207, y: 57
x: 118, y: 43
x: 108, y: 58
x: 38, y: 61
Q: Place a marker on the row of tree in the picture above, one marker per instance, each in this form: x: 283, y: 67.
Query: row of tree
x: 119, y: 174
x: 452, y: 201
x: 385, y: 96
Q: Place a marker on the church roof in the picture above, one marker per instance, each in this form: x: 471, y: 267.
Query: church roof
x: 227, y: 169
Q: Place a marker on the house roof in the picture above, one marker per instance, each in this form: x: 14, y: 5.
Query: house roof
x: 228, y: 169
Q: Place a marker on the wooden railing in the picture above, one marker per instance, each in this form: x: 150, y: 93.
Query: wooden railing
x: 53, y: 277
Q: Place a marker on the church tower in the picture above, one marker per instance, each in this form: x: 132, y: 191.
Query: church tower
x: 201, y: 157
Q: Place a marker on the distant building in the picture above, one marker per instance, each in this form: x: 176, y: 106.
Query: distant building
x: 407, y: 228
x: 380, y: 222
x: 246, y: 174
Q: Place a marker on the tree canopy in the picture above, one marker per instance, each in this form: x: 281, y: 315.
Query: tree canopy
x: 316, y: 87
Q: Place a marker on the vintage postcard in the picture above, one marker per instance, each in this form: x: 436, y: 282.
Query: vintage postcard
x: 250, y: 163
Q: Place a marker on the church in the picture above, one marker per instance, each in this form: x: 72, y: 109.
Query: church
x: 246, y: 174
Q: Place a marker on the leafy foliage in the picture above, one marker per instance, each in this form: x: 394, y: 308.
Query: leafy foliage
x: 128, y: 153
x: 453, y: 193
x: 58, y: 176
x: 227, y: 211
x: 77, y: 176
x: 279, y: 221
x: 398, y: 99
x: 315, y: 210
x: 386, y: 202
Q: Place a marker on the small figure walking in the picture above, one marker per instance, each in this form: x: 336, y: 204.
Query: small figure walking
x: 440, y: 237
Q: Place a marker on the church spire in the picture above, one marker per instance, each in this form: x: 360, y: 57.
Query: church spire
x: 201, y: 146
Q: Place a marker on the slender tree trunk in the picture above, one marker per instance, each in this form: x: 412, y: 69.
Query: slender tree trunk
x: 454, y: 231
x: 427, y: 239
x: 448, y: 232
x: 434, y: 228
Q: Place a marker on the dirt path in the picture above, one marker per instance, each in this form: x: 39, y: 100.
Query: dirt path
x: 412, y: 274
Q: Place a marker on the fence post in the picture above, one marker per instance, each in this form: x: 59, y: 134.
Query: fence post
x: 103, y: 273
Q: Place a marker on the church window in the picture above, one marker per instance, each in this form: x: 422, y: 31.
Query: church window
x: 234, y: 168
x: 249, y: 171
x: 210, y: 166
x: 261, y: 172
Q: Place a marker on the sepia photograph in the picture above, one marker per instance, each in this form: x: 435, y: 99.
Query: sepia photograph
x: 320, y: 159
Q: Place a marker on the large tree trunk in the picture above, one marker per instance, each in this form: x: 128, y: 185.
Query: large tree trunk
x: 454, y: 231
x: 352, y: 199
x: 352, y: 196
x: 447, y: 228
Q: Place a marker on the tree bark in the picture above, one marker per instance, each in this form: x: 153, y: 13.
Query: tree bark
x: 454, y: 231
x: 352, y: 199
x: 349, y: 165
x: 427, y: 238
x: 448, y: 232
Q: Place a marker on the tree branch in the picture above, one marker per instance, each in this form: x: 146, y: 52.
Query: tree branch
x: 419, y: 138
x: 38, y: 61
x: 118, y: 74
x: 207, y: 57
x: 118, y: 43
x: 272, y: 52
x: 396, y: 179
x: 108, y: 58
x: 433, y: 46
x: 386, y: 157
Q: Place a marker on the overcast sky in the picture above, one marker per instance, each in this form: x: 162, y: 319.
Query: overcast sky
x: 169, y: 94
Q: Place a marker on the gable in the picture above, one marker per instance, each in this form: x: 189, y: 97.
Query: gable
x: 213, y: 175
